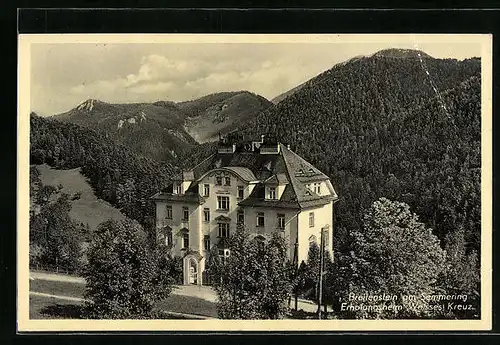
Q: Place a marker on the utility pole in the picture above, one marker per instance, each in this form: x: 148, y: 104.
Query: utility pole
x: 320, y: 280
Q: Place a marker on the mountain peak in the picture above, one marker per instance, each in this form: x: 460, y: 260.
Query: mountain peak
x: 88, y: 105
x: 401, y: 53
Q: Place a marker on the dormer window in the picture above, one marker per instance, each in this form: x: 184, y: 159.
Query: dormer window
x: 241, y: 190
x: 206, y: 190
x: 177, y: 188
x: 218, y: 180
x: 272, y: 193
x: 317, y: 188
x: 227, y: 181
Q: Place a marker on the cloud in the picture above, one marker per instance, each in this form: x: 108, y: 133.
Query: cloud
x: 160, y: 77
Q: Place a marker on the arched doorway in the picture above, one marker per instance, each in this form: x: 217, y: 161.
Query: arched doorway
x: 193, y: 265
x: 193, y: 271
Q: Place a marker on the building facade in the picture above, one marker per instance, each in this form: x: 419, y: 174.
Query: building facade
x: 262, y: 185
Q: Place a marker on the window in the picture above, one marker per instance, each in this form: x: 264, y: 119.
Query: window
x: 185, y: 240
x: 317, y: 188
x: 227, y: 181
x: 206, y: 215
x: 169, y: 212
x: 224, y: 254
x: 240, y: 217
x: 281, y: 221
x: 218, y: 180
x: 260, y: 219
x: 206, y: 242
x: 272, y: 193
x: 311, y: 219
x: 177, y: 188
x: 223, y: 203
x: 168, y: 237
x: 241, y: 191
x: 223, y: 229
x: 185, y: 213
x: 206, y: 190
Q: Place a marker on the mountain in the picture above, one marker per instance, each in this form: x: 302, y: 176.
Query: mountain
x: 361, y: 123
x: 220, y: 112
x: 163, y: 130
x: 154, y: 130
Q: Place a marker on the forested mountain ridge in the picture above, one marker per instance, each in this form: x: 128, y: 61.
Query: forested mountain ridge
x: 116, y: 173
x: 163, y: 130
x: 376, y: 124
x: 155, y: 131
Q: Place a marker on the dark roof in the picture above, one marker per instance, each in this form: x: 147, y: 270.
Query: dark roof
x: 277, y: 179
x: 299, y: 173
x: 285, y: 167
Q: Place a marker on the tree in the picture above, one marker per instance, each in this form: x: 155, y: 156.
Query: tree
x: 125, y: 275
x: 253, y: 282
x: 397, y: 255
x: 57, y: 234
x: 461, y: 276
x: 311, y: 272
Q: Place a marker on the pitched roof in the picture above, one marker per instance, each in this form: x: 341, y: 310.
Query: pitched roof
x: 277, y: 179
x: 300, y: 172
x: 287, y: 167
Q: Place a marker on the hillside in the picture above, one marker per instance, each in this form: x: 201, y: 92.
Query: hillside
x: 154, y: 130
x: 163, y: 130
x: 220, y: 112
x: 117, y: 174
x: 88, y: 209
x: 354, y: 131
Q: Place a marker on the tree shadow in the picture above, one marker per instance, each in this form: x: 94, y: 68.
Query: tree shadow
x: 63, y: 311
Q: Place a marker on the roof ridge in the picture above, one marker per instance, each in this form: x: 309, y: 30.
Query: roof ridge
x: 287, y: 166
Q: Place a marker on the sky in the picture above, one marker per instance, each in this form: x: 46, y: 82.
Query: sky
x: 66, y: 74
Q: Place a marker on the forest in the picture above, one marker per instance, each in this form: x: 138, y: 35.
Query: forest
x: 117, y: 174
x: 403, y: 128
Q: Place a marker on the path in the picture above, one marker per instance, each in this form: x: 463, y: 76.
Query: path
x: 203, y: 292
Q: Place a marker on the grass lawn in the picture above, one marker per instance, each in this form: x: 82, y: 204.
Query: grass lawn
x: 188, y: 305
x: 53, y: 308
x: 50, y: 308
x: 58, y: 288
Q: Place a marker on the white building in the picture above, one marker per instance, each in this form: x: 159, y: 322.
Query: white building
x: 262, y: 184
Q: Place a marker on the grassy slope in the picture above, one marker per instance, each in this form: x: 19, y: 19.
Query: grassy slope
x: 88, y: 209
x: 47, y: 307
